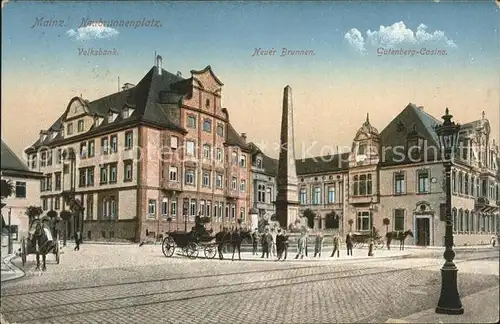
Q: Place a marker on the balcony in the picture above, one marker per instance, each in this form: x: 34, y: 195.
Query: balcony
x: 486, y: 205
x: 232, y: 193
x: 171, y: 185
x: 363, y: 199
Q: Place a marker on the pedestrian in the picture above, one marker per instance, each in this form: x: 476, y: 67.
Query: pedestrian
x: 285, y: 245
x: 318, y: 244
x: 265, y: 243
x: 348, y: 243
x: 279, y: 244
x: 336, y: 245
x: 273, y: 243
x: 305, y: 243
x: 255, y: 241
x: 301, y: 245
x: 77, y: 240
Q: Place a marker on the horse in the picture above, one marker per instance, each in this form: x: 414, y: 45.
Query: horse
x: 398, y: 235
x: 40, y: 242
x: 234, y: 238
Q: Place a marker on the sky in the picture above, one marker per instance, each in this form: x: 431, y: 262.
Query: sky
x: 364, y: 57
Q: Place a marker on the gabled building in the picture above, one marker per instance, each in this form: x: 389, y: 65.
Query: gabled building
x: 26, y: 193
x: 147, y: 159
x: 398, y: 174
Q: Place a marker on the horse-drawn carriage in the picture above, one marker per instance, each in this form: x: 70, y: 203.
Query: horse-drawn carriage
x: 43, y: 239
x: 190, y: 244
x: 359, y: 239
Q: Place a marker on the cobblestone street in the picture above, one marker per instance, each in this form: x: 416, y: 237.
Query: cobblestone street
x: 127, y: 288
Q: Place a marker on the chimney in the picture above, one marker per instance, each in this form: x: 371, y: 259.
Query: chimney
x: 127, y: 86
x: 158, y: 64
x: 421, y: 107
x: 244, y: 136
x: 179, y: 74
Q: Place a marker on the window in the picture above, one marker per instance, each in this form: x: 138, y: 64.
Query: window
x: 460, y: 183
x: 455, y: 220
x: 33, y: 160
x: 243, y: 160
x: 44, y: 204
x: 58, y: 180
x: 316, y: 199
x: 362, y: 185
x: 218, y: 180
x: 202, y: 207
x: 484, y: 189
x: 269, y: 198
x: 104, y: 174
x: 227, y: 212
x: 220, y: 130
x: 233, y: 183
x: 20, y: 189
x: 477, y: 188
x: 59, y: 156
x: 90, y: 176
x: 49, y: 182
x: 91, y: 148
x: 423, y: 181
x: 80, y: 126
x: 219, y: 154
x: 104, y: 145
x: 233, y: 212
x: 362, y: 149
x: 152, y: 208
x: 164, y: 207
x: 454, y: 181
x: 331, y: 194
x: 174, y: 142
x: 57, y: 203
x: 207, y: 125
x: 261, y: 193
x: 192, y: 209
x: 460, y: 220
x: 259, y: 163
x: 399, y: 183
x: 243, y: 185
x: 83, y: 150
x: 466, y: 221
x: 302, y: 196
x: 242, y: 213
x: 69, y: 130
x: 209, y: 208
x: 207, y: 103
x: 125, y: 113
x: 234, y: 159
x: 173, y: 208
x: 83, y: 177
x: 42, y: 184
x: 191, y: 121
x: 363, y: 221
x: 398, y: 222
x: 112, y: 173
x: 114, y: 144
x: 189, y: 177
x: 172, y: 173
x: 49, y: 158
x: 206, y: 152
x: 466, y: 184
x: 206, y: 179
x: 190, y: 148
x: 43, y: 159
x: 127, y: 171
x: 112, y: 208
x: 129, y: 140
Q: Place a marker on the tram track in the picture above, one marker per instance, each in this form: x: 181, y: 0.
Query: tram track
x: 126, y: 300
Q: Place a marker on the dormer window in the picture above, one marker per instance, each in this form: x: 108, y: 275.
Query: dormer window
x: 97, y: 121
x: 69, y: 129
x: 111, y: 117
x: 126, y: 113
x: 362, y: 149
x: 259, y: 163
x: 220, y: 130
x: 54, y: 134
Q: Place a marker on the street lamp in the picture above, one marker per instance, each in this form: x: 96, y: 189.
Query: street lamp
x: 370, y: 247
x: 449, y: 301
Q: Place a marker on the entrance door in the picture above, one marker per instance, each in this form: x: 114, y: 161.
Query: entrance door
x: 423, y: 231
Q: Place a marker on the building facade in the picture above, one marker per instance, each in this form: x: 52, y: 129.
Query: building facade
x: 26, y: 184
x: 147, y: 159
x: 398, y: 175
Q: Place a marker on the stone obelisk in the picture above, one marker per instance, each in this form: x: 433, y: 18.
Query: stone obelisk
x: 287, y: 202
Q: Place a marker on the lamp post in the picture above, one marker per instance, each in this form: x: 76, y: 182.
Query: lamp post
x: 370, y: 247
x: 449, y: 301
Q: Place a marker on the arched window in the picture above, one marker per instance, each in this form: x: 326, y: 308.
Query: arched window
x: 466, y: 191
x: 472, y: 222
x: 460, y: 183
x: 460, y: 220
x: 454, y: 181
x: 454, y: 220
x: 472, y: 181
x: 466, y: 222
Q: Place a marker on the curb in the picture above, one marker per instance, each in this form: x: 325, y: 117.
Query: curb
x: 18, y: 273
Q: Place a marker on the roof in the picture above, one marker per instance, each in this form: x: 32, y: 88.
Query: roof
x: 234, y: 139
x: 322, y: 164
x: 153, y: 100
x: 412, y: 120
x: 12, y: 164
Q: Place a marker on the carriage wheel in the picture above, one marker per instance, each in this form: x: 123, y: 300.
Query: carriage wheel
x: 210, y: 251
x: 192, y: 250
x: 168, y: 246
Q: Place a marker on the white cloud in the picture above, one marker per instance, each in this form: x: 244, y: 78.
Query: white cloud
x: 355, y: 39
x: 92, y: 32
x: 396, y: 35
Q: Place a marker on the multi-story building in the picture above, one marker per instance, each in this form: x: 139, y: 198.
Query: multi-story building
x: 398, y: 174
x: 264, y: 190
x: 147, y: 159
x: 26, y: 185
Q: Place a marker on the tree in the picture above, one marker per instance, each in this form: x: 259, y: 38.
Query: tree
x: 350, y: 222
x: 386, y: 221
x: 33, y: 211
x: 7, y: 188
x: 310, y: 215
x: 52, y: 214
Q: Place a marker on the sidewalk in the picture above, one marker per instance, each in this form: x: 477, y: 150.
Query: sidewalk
x: 481, y: 307
x: 9, y: 270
